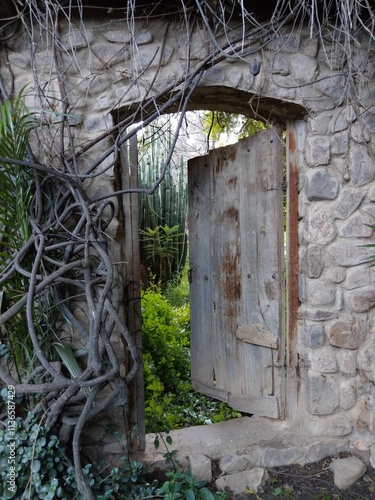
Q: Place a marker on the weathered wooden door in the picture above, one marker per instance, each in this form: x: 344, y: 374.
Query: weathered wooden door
x: 236, y: 246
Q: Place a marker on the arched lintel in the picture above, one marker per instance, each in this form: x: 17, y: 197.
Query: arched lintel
x: 228, y: 99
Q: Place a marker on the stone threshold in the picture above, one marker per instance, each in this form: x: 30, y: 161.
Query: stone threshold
x: 262, y: 442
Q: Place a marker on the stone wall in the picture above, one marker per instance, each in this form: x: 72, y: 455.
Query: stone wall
x: 297, y: 80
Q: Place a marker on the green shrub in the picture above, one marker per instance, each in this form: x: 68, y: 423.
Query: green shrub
x: 170, y: 400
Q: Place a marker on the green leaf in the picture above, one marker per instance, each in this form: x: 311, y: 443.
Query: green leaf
x: 189, y: 495
x: 169, y: 439
x: 277, y: 491
x: 36, y: 465
x: 205, y: 494
x: 159, y: 411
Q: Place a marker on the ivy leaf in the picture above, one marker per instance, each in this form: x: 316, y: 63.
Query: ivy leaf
x: 36, y: 466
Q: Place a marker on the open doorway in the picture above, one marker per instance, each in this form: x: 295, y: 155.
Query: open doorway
x: 160, y: 403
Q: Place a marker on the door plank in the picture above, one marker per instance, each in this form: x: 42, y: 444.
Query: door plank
x: 257, y: 334
x: 267, y: 406
x: 199, y: 182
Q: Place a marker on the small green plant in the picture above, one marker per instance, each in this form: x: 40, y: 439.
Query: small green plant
x: 162, y: 214
x: 184, y: 485
x: 161, y: 246
x: 278, y: 490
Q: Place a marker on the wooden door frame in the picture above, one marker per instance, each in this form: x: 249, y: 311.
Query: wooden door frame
x: 295, y: 133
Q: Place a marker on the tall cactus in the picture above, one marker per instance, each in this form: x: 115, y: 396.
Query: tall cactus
x: 163, y: 214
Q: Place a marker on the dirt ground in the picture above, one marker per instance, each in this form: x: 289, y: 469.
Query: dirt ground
x: 312, y: 482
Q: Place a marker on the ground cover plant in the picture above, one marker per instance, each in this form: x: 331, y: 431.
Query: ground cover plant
x: 44, y: 470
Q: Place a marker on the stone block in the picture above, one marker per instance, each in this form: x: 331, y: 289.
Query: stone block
x: 233, y: 463
x: 366, y: 359
x: 104, y: 102
x: 322, y: 360
x: 96, y: 123
x: 348, y: 253
x: 347, y: 471
x: 334, y: 87
x: 341, y: 118
x: 369, y: 209
x: 319, y: 124
x: 356, y: 227
x: 368, y: 119
x: 303, y: 68
x: 284, y: 455
x: 322, y: 393
x: 312, y: 263
x: 361, y: 299
x: 18, y: 60
x: 143, y: 37
x: 319, y: 294
x: 314, y: 335
x: 361, y: 445
x: 319, y: 314
x: 347, y: 394
x: 347, y: 335
x: 359, y: 133
x: 251, y: 479
x: 348, y: 201
x: 319, y: 226
x: 347, y: 361
x: 310, y: 46
x: 335, y: 274
x: 340, y: 144
x: 286, y: 42
x: 77, y: 39
x: 337, y: 425
x: 359, y: 277
x: 151, y: 56
x: 320, y: 185
x: 318, y: 151
x: 214, y: 75
x: 201, y: 467
x: 280, y: 65
x: 324, y: 448
x: 362, y: 166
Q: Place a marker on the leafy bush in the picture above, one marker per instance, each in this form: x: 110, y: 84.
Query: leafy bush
x: 170, y: 400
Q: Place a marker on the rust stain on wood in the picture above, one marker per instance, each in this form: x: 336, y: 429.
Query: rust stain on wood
x: 293, y: 302
x: 232, y: 213
x: 231, y: 281
x: 223, y: 156
x: 292, y: 142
